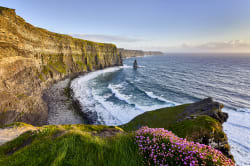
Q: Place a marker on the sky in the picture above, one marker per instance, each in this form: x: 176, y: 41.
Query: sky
x: 160, y: 25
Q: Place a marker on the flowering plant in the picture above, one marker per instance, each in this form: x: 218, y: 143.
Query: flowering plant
x: 161, y: 147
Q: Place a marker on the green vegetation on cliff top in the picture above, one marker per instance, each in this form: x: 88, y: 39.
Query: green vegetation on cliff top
x: 70, y: 145
x: 200, y: 128
x: 168, y: 118
x: 86, y: 145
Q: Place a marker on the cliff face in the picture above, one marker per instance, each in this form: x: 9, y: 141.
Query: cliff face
x: 130, y: 53
x: 31, y: 59
x: 137, y: 53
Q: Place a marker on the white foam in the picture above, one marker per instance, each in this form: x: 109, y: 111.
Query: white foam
x: 83, y: 93
x: 120, y: 113
x: 246, y: 110
x: 152, y: 95
x: 126, y: 66
x: 108, y: 113
x: 117, y: 94
x: 115, y: 90
x: 237, y: 130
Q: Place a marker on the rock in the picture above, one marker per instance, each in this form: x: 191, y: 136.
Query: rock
x: 32, y: 59
x: 60, y: 107
x: 207, y: 107
x: 135, y: 65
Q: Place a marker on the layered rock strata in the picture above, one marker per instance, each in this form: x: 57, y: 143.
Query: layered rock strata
x: 31, y: 59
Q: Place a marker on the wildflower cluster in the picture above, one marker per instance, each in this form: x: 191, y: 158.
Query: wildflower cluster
x: 162, y: 147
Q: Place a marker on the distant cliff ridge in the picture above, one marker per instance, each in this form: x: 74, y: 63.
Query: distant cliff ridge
x: 153, y: 53
x: 136, y: 53
x: 31, y: 59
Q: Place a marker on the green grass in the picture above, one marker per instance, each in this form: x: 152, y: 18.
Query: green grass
x: 70, y: 145
x: 80, y: 144
x: 161, y: 118
x: 168, y: 118
x: 201, y: 126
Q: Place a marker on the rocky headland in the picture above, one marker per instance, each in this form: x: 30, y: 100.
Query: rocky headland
x: 31, y: 59
x: 200, y: 122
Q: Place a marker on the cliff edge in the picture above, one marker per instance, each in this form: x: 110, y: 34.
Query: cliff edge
x: 199, y: 122
x: 31, y: 59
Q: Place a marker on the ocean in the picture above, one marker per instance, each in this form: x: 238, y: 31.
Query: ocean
x: 116, y: 95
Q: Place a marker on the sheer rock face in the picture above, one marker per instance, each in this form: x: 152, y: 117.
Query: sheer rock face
x: 31, y: 59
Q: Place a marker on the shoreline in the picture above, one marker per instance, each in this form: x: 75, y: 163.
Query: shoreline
x: 60, y: 100
x: 62, y: 108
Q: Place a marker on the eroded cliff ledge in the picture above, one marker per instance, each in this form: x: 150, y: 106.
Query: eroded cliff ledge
x: 31, y: 59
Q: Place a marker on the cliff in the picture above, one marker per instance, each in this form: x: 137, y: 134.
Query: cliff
x: 199, y: 122
x: 137, y: 53
x: 152, y: 53
x: 31, y: 59
x: 130, y: 53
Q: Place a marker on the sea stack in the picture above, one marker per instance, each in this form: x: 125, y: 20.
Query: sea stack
x: 135, y: 65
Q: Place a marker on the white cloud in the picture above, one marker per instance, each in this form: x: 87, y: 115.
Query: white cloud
x: 233, y: 44
x: 226, y: 46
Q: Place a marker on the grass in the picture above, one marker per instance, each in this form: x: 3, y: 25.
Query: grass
x: 80, y: 144
x: 192, y: 129
x: 200, y: 128
x: 161, y: 118
x: 70, y: 145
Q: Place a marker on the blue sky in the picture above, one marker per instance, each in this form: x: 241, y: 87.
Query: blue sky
x: 166, y: 25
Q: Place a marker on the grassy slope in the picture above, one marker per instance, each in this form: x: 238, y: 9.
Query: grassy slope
x: 76, y: 144
x: 192, y: 129
x: 161, y: 118
x: 70, y: 145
